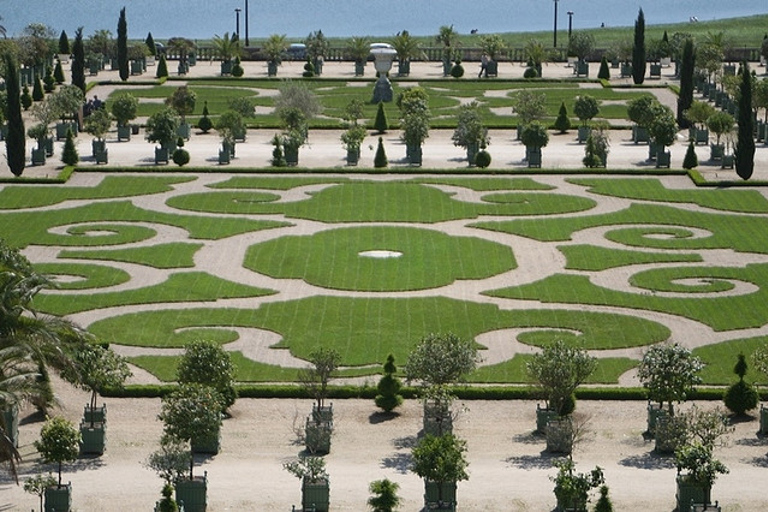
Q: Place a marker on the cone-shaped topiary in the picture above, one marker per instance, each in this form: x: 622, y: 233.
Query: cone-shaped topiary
x: 278, y: 159
x: 562, y: 123
x: 388, y: 387
x: 69, y: 155
x: 380, y: 124
x: 380, y: 160
x: 162, y: 68
x: 742, y: 396
x: 37, y: 90
x: 604, y: 502
x: 690, y: 161
x: 26, y: 98
x: 58, y: 73
x: 605, y: 72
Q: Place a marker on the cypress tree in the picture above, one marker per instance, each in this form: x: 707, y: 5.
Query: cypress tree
x: 562, y: 123
x: 122, y: 46
x: 162, y: 68
x: 37, y: 90
x: 691, y: 160
x: 69, y: 154
x: 638, y: 50
x: 380, y: 160
x: 744, y: 156
x: 78, y: 61
x: 605, y: 72
x: 64, y: 48
x: 16, y: 141
x: 58, y: 73
x: 150, y: 42
x: 380, y: 123
x: 685, y: 99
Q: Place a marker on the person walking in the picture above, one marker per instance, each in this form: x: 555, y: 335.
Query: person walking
x: 483, y: 66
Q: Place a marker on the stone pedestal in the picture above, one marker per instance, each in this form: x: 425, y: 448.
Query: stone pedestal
x: 383, y: 63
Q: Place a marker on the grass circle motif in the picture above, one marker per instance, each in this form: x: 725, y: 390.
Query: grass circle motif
x: 331, y: 259
x: 93, y: 234
x: 87, y: 276
x: 659, y: 237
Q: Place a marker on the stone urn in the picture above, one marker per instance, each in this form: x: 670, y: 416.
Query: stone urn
x: 383, y: 58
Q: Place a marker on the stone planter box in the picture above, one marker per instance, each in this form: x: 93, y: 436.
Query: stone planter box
x: 727, y: 162
x: 655, y: 71
x: 655, y: 411
x: 240, y: 135
x: 193, y: 494
x: 58, y: 499
x: 437, y: 418
x: 317, y: 436
x: 582, y: 69
x: 626, y: 70
x: 11, y: 419
x: 404, y: 68
x: 560, y: 435
x: 315, y: 495
x: 123, y: 133
x: 184, y: 131
x: 702, y: 136
x: 61, y: 130
x: 534, y: 157
x: 689, y: 493
x: 653, y: 150
x: 716, y: 151
x: 101, y: 157
x: 665, y: 439
x: 640, y: 134
x: 414, y: 155
x: 97, y: 415
x: 492, y: 68
x: 291, y: 156
x: 272, y: 69
x: 439, y: 496
x: 663, y: 159
x: 583, y: 134
x: 94, y: 438
x: 38, y: 156
x: 161, y: 156
x: 137, y: 67
x: 543, y: 416
x: 224, y: 156
x: 98, y: 145
x: 353, y: 156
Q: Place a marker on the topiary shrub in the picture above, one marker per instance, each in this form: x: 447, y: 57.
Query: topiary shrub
x: 562, y: 123
x: 605, y: 72
x: 604, y: 502
x: 237, y: 69
x: 457, y: 71
x: 278, y: 158
x: 380, y: 160
x: 388, y: 387
x: 380, y: 124
x: 205, y: 124
x: 742, y: 396
x: 26, y: 98
x: 37, y: 90
x: 162, y: 68
x: 58, y: 73
x: 181, y: 157
x: 530, y: 73
x: 482, y: 159
x: 309, y: 70
x: 69, y: 155
x: 690, y: 161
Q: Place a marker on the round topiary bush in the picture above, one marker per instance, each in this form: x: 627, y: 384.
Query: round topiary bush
x: 457, y: 71
x: 530, y: 73
x: 482, y: 159
x: 181, y: 157
x: 237, y: 70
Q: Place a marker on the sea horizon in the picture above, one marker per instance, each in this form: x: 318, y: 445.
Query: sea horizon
x: 198, y: 19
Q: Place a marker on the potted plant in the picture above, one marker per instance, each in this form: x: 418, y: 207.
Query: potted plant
x: 66, y: 103
x: 448, y: 38
x: 39, y: 132
x: 407, y: 48
x: 697, y: 471
x: 470, y: 132
x: 94, y: 369
x: 319, y: 425
x: 162, y: 128
x: 698, y: 114
x: 585, y: 107
x: 171, y: 463
x: 183, y: 102
x: 124, y: 107
x: 534, y: 136
x: 317, y: 47
x: 59, y: 443
x: 352, y: 138
x: 414, y: 122
x: 492, y: 46
x: 294, y: 134
x: 529, y: 106
x: 581, y: 44
x: 182, y: 47
x: 206, y: 362
x: 98, y: 124
x: 274, y: 49
x: 572, y: 489
x: 315, y: 483
x: 741, y: 396
x: 663, y: 132
x: 441, y: 462
x: 358, y: 49
x: 596, y: 150
x: 559, y: 369
x: 720, y: 123
x: 535, y: 55
x: 227, y: 48
x: 639, y: 112
x: 38, y: 484
x: 388, y: 387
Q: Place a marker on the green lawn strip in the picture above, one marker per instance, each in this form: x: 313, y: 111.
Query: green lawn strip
x: 246, y: 370
x: 181, y: 287
x: 218, y: 98
x: 171, y: 255
x: 720, y: 359
x: 742, y: 233
x: 381, y: 202
x: 15, y: 197
x: 595, y: 258
x: 720, y: 313
x: 699, y: 279
x: 91, y: 276
x: 743, y: 201
x: 281, y: 183
x: 514, y: 370
x: 25, y: 228
x: 332, y: 259
x: 365, y: 330
x: 487, y: 184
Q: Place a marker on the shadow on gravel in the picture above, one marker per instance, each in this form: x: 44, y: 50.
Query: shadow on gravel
x: 405, y: 442
x: 649, y: 460
x: 760, y: 462
x: 529, y: 438
x: 380, y: 417
x: 400, y: 462
x: 542, y: 461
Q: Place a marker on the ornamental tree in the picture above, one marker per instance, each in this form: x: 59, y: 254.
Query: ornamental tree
x: 585, y: 107
x: 384, y: 496
x: 669, y: 372
x: 744, y: 154
x: 700, y: 465
x: 562, y: 123
x: 124, y: 107
x: 441, y: 359
x: 638, y: 50
x: 685, y: 98
x: 572, y: 489
x: 182, y: 101
x: 205, y: 362
x: 315, y: 378
x: 170, y: 461
x: 741, y: 396
x: 59, y: 442
x: 388, y: 387
x: 560, y: 369
x: 162, y: 127
x: 440, y: 459
x: 469, y: 127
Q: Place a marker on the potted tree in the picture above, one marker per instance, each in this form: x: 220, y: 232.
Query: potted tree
x: 596, y: 150
x: 315, y: 379
x: 384, y: 496
x: 720, y: 123
x: 94, y: 369
x: 205, y: 362
x: 448, y: 38
x: 534, y: 136
x: 295, y: 129
x: 274, y: 49
x: 358, y: 49
x: 39, y: 132
x: 662, y: 132
x: 59, y: 443
x: 315, y: 483
x: 639, y: 112
x: 317, y: 47
x: 585, y: 107
x: 414, y: 122
x: 741, y: 396
x: 535, y: 55
x: 228, y: 124
x: 227, y: 49
x: 470, y: 132
x: 124, y: 107
x: 66, y: 103
x: 352, y: 138
x: 98, y: 124
x: 581, y: 44
x: 669, y: 373
x: 529, y: 106
x: 698, y: 114
x: 171, y: 462
x: 37, y: 486
x: 559, y: 369
x: 441, y: 462
x: 183, y: 102
x: 162, y: 128
x: 492, y: 45
x: 407, y: 48
x: 572, y: 489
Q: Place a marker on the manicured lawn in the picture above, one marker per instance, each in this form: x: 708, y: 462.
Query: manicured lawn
x: 171, y: 255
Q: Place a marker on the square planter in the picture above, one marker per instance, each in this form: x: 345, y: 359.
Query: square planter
x: 272, y: 69
x: 655, y: 411
x: 726, y: 162
x: 137, y: 67
x: 226, y: 67
x: 322, y: 414
x: 666, y: 440
x: 534, y: 157
x: 359, y: 68
x: 640, y: 134
x: 584, y: 132
x: 317, y: 436
x: 193, y: 494
x: 626, y: 70
x: 702, y: 136
x: 58, y: 499
x: 414, y: 155
x: 353, y: 156
x: 492, y: 68
x: 161, y: 156
x: 560, y: 435
x: 291, y: 156
x: 102, y: 157
x: 543, y: 416
x: 582, y: 69
x: 93, y: 438
x: 224, y: 156
x: 439, y: 496
x: 716, y: 151
x: 689, y: 493
x: 61, y: 130
x: 11, y: 420
x: 123, y: 133
x: 98, y: 145
x: 663, y: 159
x: 404, y: 68
x: 240, y: 135
x: 655, y: 71
x: 653, y: 150
x: 184, y: 131
x: 315, y: 495
x: 38, y: 156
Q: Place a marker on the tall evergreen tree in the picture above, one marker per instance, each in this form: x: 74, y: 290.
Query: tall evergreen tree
x: 16, y: 141
x: 78, y: 61
x: 638, y: 50
x: 150, y: 42
x: 122, y: 46
x: 69, y: 154
x: 64, y: 47
x: 744, y: 156
x: 685, y: 99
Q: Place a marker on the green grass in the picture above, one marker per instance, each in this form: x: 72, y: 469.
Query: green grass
x: 720, y: 358
x: 90, y: 275
x: 171, y: 255
x: 514, y: 370
x: 331, y: 259
x: 594, y: 259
